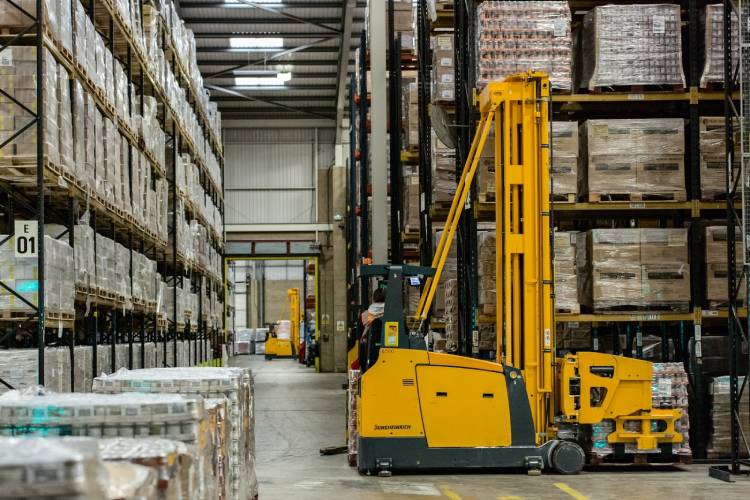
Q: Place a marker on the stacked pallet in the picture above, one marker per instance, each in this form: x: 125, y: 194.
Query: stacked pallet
x: 720, y: 441
x: 411, y: 114
x: 633, y: 160
x: 411, y: 203
x: 650, y: 54
x: 233, y: 384
x: 713, y: 70
x: 564, y: 161
x: 713, y: 154
x: 717, y: 290
x: 669, y: 389
x: 630, y: 269
x: 515, y: 37
x: 443, y: 172
x: 21, y: 275
x: 443, y: 69
x: 487, y: 244
x: 484, y: 178
x: 566, y: 275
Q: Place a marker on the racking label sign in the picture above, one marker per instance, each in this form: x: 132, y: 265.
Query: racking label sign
x: 25, y: 235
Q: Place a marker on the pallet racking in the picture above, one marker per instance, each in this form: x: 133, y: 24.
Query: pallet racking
x: 48, y: 193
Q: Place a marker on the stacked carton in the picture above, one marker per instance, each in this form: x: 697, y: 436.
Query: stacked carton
x: 234, y: 384
x: 487, y: 337
x: 633, y: 158
x: 411, y: 203
x: 443, y: 69
x: 713, y: 70
x: 717, y: 291
x: 627, y: 45
x: 51, y: 468
x: 515, y: 37
x: 720, y: 442
x: 566, y: 276
x: 451, y: 315
x: 411, y: 114
x: 573, y: 336
x: 21, y: 275
x: 564, y: 161
x: 713, y: 167
x: 487, y: 244
x: 484, y: 177
x: 352, y: 434
x: 633, y: 268
x: 443, y: 171
x: 669, y: 389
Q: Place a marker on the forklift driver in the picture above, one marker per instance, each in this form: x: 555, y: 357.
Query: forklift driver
x: 372, y: 322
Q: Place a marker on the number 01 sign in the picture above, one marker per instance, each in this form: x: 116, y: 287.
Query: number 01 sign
x: 27, y: 238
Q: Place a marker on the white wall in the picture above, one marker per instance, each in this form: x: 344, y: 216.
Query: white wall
x: 270, y: 174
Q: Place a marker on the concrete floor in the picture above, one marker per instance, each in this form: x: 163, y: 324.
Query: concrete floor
x: 298, y: 412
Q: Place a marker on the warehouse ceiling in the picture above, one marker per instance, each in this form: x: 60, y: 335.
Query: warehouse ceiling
x: 273, y: 59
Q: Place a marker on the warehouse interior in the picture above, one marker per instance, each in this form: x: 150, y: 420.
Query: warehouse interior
x: 374, y: 249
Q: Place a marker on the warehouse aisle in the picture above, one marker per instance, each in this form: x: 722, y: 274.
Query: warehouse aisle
x: 299, y: 411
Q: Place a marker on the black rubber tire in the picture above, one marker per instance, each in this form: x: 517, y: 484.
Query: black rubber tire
x: 568, y: 458
x: 268, y: 358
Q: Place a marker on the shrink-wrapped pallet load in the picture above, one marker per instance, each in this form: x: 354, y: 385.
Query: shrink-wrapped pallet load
x: 566, y: 273
x: 515, y: 37
x: 632, y: 45
x: 632, y: 159
x: 712, y: 146
x: 717, y: 290
x: 713, y: 70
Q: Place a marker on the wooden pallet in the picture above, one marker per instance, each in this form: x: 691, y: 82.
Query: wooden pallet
x: 564, y: 198
x: 568, y: 310
x: 675, y: 196
x: 637, y: 89
x: 676, y: 306
x: 639, y: 459
x: 60, y: 316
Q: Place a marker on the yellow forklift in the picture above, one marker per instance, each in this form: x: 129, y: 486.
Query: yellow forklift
x: 423, y: 410
x: 282, y: 342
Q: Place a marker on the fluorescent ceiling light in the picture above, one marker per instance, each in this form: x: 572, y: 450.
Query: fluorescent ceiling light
x: 262, y: 81
x: 256, y: 43
x: 254, y: 1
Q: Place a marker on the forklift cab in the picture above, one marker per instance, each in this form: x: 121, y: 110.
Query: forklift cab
x: 389, y: 330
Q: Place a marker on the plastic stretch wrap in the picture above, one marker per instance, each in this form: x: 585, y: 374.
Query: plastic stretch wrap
x: 669, y: 389
x: 712, y: 147
x: 21, y: 275
x: 126, y: 481
x: 566, y: 273
x: 632, y: 268
x: 719, y: 444
x: 515, y: 37
x: 713, y: 70
x: 564, y: 160
x: 85, y: 263
x: 65, y: 121
x: 650, y: 54
x: 351, y: 424
x: 169, y: 460
x: 633, y: 156
x: 487, y: 244
x: 717, y: 293
x: 105, y: 263
x: 51, y: 468
x: 234, y: 384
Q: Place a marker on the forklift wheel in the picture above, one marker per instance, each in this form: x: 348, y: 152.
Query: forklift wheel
x: 268, y: 358
x: 568, y: 458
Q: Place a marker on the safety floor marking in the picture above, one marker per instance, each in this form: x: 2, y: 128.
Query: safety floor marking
x: 572, y: 492
x: 409, y: 488
x: 450, y: 493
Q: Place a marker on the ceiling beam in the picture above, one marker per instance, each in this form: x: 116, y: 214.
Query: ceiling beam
x: 268, y: 34
x: 279, y: 5
x: 266, y: 88
x: 275, y: 104
x: 312, y: 62
x: 308, y: 48
x: 344, y: 54
x: 288, y: 98
x: 282, y: 13
x: 264, y: 60
x: 262, y: 20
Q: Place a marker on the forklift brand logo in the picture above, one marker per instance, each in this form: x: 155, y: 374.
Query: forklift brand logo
x: 404, y: 427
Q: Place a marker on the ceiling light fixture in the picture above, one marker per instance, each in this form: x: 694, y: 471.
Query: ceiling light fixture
x: 279, y: 79
x: 256, y: 43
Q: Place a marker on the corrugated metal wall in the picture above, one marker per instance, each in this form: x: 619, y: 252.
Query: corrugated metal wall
x: 269, y: 174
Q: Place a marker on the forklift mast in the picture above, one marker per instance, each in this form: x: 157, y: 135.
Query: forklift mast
x: 518, y: 111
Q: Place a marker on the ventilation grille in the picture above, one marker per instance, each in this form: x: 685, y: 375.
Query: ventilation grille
x: 408, y: 382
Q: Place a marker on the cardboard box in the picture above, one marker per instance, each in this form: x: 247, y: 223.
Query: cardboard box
x: 613, y: 247
x: 666, y: 283
x: 564, y: 172
x: 608, y: 174
x: 660, y: 174
x: 717, y: 290
x: 664, y: 246
x: 716, y: 244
